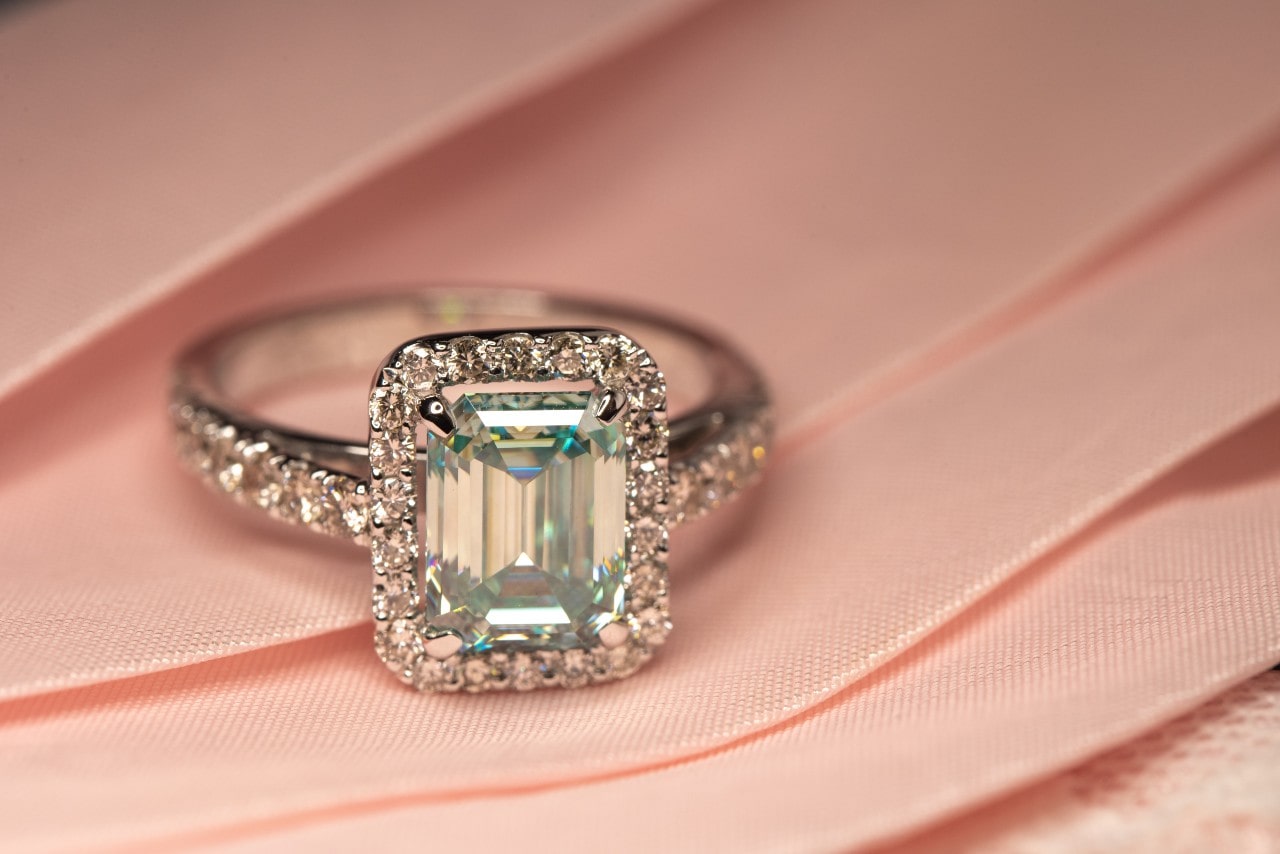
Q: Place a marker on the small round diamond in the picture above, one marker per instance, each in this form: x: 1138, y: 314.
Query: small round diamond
x: 646, y: 585
x: 388, y: 408
x: 391, y: 501
x: 231, y: 477
x: 653, y: 626
x: 568, y: 354
x: 648, y: 536
x: 648, y: 390
x: 396, y: 596
x: 400, y: 645
x: 468, y: 359
x: 432, y: 675
x: 302, y: 496
x: 614, y: 663
x: 525, y: 673
x: 646, y: 489
x: 615, y: 359
x: 647, y: 438
x: 392, y: 548
x: 499, y: 670
x: 271, y: 495
x: 218, y: 441
x: 575, y: 668
x: 352, y: 508
x: 389, y: 455
x: 684, y: 486
x: 519, y: 357
x: 420, y: 369
x: 342, y: 512
x: 476, y: 672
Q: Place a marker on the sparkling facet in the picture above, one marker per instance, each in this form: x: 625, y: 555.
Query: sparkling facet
x: 525, y: 521
x: 231, y: 476
x: 647, y: 536
x: 438, y: 675
x: 420, y: 369
x: 615, y: 359
x: 648, y: 438
x: 388, y: 455
x: 525, y: 674
x: 393, y: 501
x: 400, y: 645
x: 568, y: 355
x: 519, y: 355
x: 388, y: 408
x: 575, y: 668
x: 467, y: 358
x: 653, y: 626
x: 396, y: 596
x: 391, y: 548
x: 646, y: 488
x: 648, y: 390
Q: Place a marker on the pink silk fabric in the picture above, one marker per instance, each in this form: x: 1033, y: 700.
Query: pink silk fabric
x: 1011, y: 270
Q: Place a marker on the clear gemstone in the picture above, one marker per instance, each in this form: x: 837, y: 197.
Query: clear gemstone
x: 647, y: 487
x: 302, y: 497
x: 354, y: 512
x: 648, y: 391
x: 393, y: 501
x: 420, y: 369
x: 575, y: 668
x: 646, y: 584
x: 392, y: 549
x: 394, y: 597
x: 400, y: 645
x: 525, y: 674
x: 647, y: 439
x: 525, y: 521
x: 388, y: 408
x: 519, y: 355
x: 468, y: 358
x: 437, y: 675
x: 568, y: 354
x: 476, y: 671
x: 388, y: 455
x: 614, y: 359
x: 648, y: 536
x: 653, y: 626
x: 231, y: 476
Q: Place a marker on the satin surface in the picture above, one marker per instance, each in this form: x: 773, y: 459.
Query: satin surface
x: 1011, y: 272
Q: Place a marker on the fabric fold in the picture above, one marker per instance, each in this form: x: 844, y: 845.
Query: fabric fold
x: 159, y: 140
x: 988, y: 324
x: 1070, y: 659
x: 868, y: 303
x: 1114, y: 411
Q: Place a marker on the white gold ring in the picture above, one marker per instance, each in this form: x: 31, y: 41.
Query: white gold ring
x: 520, y: 474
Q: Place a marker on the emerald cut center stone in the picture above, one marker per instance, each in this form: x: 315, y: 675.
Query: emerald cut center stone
x: 525, y: 506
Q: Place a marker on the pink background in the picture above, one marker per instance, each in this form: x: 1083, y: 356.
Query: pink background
x: 1012, y: 270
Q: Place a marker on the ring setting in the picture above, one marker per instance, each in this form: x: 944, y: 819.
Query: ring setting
x: 518, y: 482
x: 527, y: 545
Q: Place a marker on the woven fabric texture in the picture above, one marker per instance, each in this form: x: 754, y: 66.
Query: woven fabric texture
x: 1011, y: 272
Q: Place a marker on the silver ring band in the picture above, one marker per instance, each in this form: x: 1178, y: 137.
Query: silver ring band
x: 719, y: 430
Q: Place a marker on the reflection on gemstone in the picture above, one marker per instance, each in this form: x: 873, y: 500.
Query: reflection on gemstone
x: 525, y: 521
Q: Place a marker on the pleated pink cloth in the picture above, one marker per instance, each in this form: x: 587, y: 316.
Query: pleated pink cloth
x: 1011, y: 270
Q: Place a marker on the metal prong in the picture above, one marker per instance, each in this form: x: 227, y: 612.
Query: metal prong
x: 442, y: 646
x: 436, y: 413
x: 612, y: 404
x: 614, y: 635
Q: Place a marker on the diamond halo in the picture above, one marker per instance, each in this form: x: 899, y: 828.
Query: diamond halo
x: 414, y: 378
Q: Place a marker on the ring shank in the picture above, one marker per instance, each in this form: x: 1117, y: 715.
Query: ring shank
x: 719, y: 426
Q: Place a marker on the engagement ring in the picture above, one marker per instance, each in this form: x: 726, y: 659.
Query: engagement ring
x: 520, y: 475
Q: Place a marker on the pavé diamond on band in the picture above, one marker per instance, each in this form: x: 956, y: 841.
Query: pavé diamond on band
x: 520, y: 475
